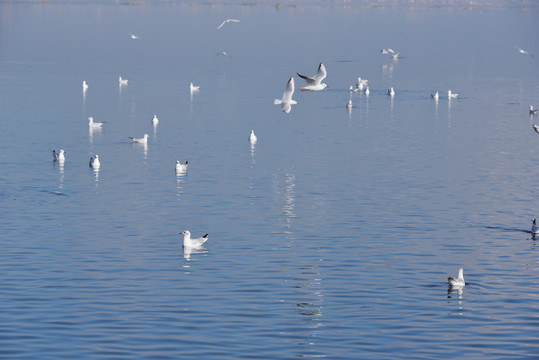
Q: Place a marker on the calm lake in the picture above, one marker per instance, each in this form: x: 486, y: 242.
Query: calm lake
x: 331, y: 237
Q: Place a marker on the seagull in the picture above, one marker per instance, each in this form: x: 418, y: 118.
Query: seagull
x: 349, y: 105
x: 93, y: 124
x: 361, y: 83
x: 387, y: 51
x: 315, y: 83
x: 58, y: 156
x: 353, y: 89
x: 181, y: 168
x: 435, y: 96
x: 252, y: 138
x: 132, y: 36
x: 188, y: 242
x: 532, y: 110
x: 84, y: 85
x: 535, y: 228
x: 155, y: 120
x: 224, y: 53
x: 450, y: 95
x: 458, y: 282
x: 391, y: 91
x: 367, y: 91
x: 193, y: 88
x: 226, y: 22
x: 94, y: 162
x: 286, y: 101
x: 122, y: 81
x: 142, y: 140
x: 524, y: 52
x: 395, y: 56
x: 536, y: 128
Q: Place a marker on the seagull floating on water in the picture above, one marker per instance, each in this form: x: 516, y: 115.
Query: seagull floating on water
x: 535, y: 227
x: 367, y: 91
x: 524, y: 52
x: 155, y: 121
x: 122, y: 82
x: 252, y: 138
x: 226, y: 22
x: 315, y: 83
x: 435, y: 96
x: 458, y: 282
x: 84, y: 85
x: 188, y: 242
x: 286, y: 101
x: 93, y: 124
x: 193, y: 88
x: 391, y: 91
x: 94, y: 162
x: 58, y: 156
x: 349, y: 105
x: 142, y: 140
x: 451, y: 95
x: 353, y: 89
x: 532, y: 110
x: 362, y: 83
x: 181, y: 168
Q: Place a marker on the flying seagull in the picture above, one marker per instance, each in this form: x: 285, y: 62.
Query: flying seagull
x: 524, y: 52
x: 226, y: 22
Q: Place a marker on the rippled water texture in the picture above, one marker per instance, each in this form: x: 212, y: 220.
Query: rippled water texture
x: 331, y: 237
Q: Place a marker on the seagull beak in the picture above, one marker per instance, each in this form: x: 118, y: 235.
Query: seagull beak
x: 180, y: 233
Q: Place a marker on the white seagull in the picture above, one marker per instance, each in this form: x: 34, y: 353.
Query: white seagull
x: 435, y: 96
x: 193, y: 88
x: 451, y: 95
x: 524, y: 52
x: 226, y: 22
x: 142, y: 140
x: 391, y: 91
x: 349, y: 105
x: 94, y: 162
x: 315, y: 83
x: 387, y: 51
x: 93, y: 124
x: 532, y: 110
x: 122, y: 82
x: 362, y: 83
x: 252, y: 138
x: 155, y: 121
x: 181, y: 168
x: 132, y: 36
x: 58, y: 156
x: 84, y: 85
x: 188, y: 242
x: 353, y: 89
x: 224, y: 53
x: 536, y: 128
x: 535, y: 228
x: 286, y: 101
x: 458, y: 282
x: 367, y: 91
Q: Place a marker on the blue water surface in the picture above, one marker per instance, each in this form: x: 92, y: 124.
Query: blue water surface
x: 331, y: 237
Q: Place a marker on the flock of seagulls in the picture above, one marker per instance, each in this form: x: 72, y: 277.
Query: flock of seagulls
x: 313, y: 83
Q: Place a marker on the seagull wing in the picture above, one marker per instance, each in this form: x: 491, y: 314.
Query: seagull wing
x: 289, y: 90
x: 223, y: 23
x: 309, y: 80
x: 321, y: 74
